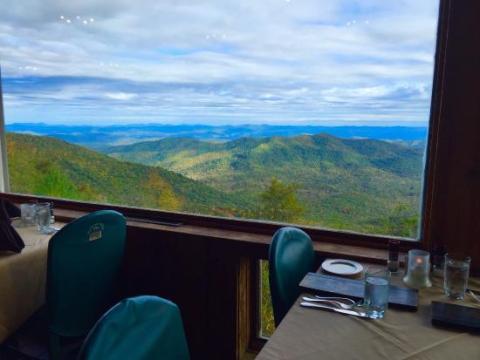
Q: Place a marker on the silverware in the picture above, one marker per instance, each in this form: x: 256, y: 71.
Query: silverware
x: 473, y: 294
x: 361, y: 314
x: 336, y: 298
x: 336, y: 303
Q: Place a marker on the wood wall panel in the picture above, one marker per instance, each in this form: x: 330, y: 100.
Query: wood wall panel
x: 455, y: 207
x: 199, y: 275
x: 157, y: 264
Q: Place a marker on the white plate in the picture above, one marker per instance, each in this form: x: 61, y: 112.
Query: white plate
x: 342, y: 267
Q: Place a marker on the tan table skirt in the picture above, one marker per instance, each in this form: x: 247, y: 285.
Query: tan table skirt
x: 22, y: 281
x: 316, y: 334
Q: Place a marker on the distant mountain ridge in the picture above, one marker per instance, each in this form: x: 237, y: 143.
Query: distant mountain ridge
x: 346, y: 183
x: 99, y: 137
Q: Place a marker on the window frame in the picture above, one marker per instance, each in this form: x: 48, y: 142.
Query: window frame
x: 269, y: 227
x: 4, y: 178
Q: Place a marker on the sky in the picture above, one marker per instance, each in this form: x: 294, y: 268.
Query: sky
x: 288, y: 62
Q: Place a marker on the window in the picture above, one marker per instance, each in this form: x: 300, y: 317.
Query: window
x: 305, y: 112
x: 266, y: 323
x: 313, y: 113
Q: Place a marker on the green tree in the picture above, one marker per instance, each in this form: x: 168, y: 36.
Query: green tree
x: 53, y: 182
x: 279, y: 202
x: 403, y: 221
x: 163, y: 195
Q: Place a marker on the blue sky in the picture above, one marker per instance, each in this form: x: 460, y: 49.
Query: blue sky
x: 325, y: 62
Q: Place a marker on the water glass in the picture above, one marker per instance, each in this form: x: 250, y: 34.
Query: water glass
x: 43, y: 215
x: 27, y: 212
x: 456, y: 272
x: 377, y: 286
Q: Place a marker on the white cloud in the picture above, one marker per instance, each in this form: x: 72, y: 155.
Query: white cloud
x: 300, y: 53
x: 120, y: 96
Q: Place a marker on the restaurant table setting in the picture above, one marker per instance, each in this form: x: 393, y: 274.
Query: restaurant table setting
x: 379, y: 314
x: 23, y: 268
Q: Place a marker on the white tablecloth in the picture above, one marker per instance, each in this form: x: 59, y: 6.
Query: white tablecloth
x: 22, y: 281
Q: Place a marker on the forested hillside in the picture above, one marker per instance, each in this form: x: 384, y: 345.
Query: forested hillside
x: 363, y: 185
x: 48, y: 166
x: 360, y: 185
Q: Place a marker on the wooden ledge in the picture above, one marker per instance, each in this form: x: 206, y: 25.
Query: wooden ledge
x: 252, y: 243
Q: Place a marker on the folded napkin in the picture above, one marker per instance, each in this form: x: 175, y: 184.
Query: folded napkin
x: 462, y: 317
x: 9, y: 238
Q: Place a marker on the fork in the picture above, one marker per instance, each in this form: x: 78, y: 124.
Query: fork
x: 343, y: 303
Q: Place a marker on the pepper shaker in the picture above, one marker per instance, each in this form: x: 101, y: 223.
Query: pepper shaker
x: 393, y: 250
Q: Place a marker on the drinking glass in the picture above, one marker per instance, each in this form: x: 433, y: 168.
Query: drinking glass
x: 43, y: 215
x: 377, y: 284
x: 457, y: 269
x: 27, y: 212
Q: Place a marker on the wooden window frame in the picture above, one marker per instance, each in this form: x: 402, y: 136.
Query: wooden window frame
x: 4, y: 178
x: 265, y: 227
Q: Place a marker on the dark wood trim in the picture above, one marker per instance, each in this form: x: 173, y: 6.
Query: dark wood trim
x: 436, y: 118
x: 454, y: 186
x: 245, y: 243
x: 257, y: 343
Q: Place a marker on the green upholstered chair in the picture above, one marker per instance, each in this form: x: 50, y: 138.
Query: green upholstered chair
x: 291, y: 257
x: 143, y: 327
x: 84, y: 259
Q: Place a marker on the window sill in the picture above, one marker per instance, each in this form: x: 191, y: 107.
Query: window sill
x: 252, y: 243
x: 251, y: 238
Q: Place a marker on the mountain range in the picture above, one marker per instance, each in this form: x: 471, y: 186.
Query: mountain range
x: 362, y: 185
x: 99, y: 137
x: 342, y: 183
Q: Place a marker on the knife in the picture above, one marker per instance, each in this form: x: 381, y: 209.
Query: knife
x: 342, y: 311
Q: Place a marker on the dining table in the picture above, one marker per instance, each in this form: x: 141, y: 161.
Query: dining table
x: 23, y: 279
x: 307, y: 333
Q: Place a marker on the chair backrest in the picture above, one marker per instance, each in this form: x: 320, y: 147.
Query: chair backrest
x: 291, y: 257
x: 84, y: 259
x: 143, y: 327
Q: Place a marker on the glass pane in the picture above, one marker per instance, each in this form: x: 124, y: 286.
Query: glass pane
x: 267, y: 324
x: 305, y: 112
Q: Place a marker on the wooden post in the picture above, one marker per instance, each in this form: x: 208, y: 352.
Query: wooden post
x: 4, y: 182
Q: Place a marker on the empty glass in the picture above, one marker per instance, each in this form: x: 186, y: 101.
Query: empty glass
x: 27, y: 212
x: 457, y: 269
x: 43, y: 216
x: 377, y: 286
